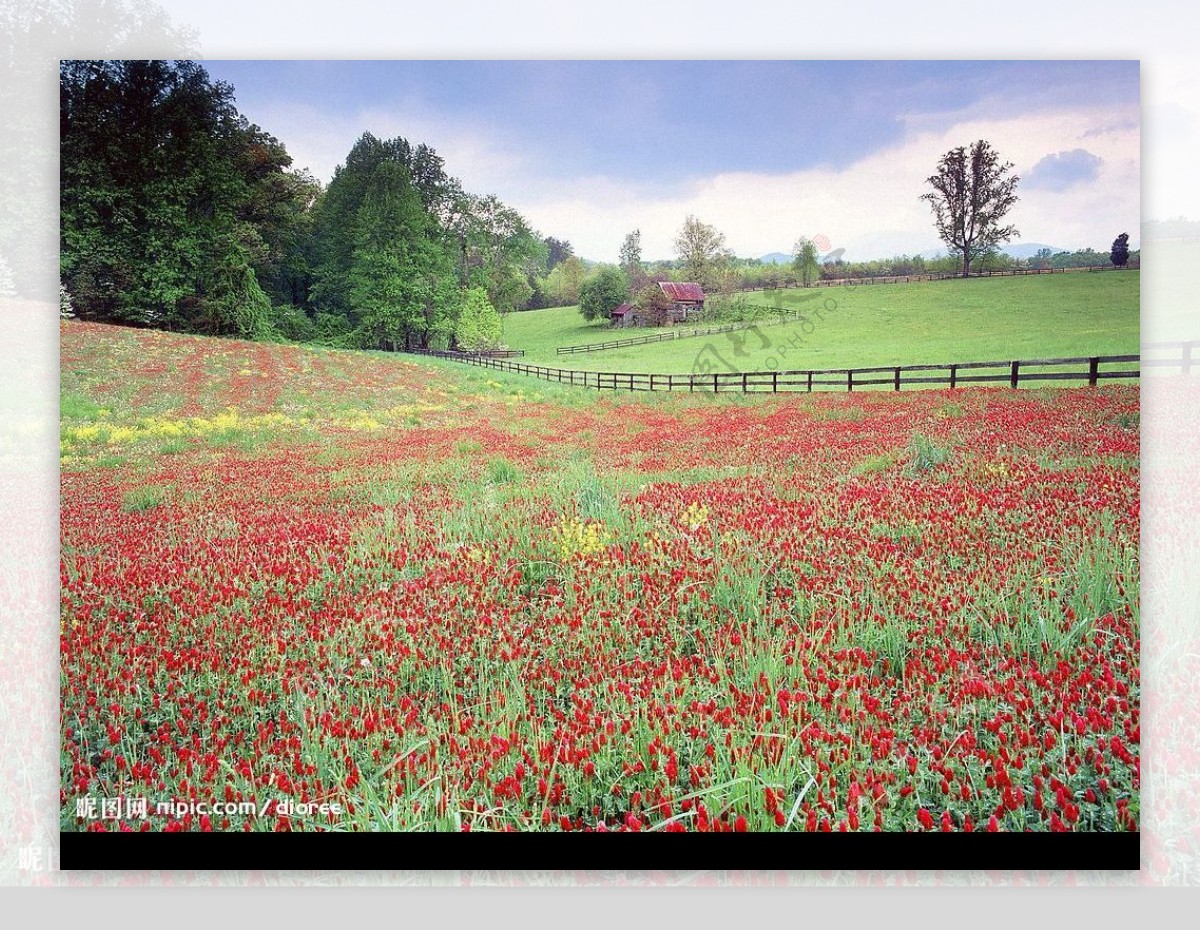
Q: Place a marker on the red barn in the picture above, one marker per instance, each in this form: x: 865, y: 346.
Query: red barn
x: 623, y: 315
x: 687, y: 300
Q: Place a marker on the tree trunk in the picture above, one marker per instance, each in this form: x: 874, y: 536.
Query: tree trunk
x: 966, y: 264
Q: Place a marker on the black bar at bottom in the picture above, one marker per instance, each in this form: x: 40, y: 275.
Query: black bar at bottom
x: 1025, y: 852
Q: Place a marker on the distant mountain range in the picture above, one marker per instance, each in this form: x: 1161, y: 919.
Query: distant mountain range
x: 776, y: 258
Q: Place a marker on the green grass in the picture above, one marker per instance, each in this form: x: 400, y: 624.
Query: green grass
x: 72, y: 406
x: 144, y: 498
x: 925, y: 455
x: 931, y: 322
x: 540, y: 332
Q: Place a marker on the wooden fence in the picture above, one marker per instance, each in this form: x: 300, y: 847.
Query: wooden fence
x: 1089, y: 369
x: 499, y: 353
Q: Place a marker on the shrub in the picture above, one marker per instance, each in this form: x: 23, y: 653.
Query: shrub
x: 479, y: 325
x: 602, y: 293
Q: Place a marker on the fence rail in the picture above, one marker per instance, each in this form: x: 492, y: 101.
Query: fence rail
x: 498, y: 353
x: 1090, y: 369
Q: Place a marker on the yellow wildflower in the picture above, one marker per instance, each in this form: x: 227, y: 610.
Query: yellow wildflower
x: 575, y: 538
x: 695, y: 516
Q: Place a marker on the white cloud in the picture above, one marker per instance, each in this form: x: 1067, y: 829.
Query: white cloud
x: 320, y: 143
x: 870, y: 207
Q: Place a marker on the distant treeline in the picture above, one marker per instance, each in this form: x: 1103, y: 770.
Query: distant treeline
x: 753, y: 273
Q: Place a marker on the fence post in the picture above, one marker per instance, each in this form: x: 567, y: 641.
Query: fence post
x: 953, y: 376
x: 745, y: 375
x: 774, y: 382
x: 849, y: 379
x: 1093, y: 370
x: 897, y: 377
x: 810, y: 382
x: 715, y: 387
x: 1187, y: 358
x: 1014, y: 377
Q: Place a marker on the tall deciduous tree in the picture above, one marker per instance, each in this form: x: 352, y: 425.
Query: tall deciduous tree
x: 561, y: 286
x: 336, y: 214
x: 557, y: 252
x: 499, y: 252
x: 701, y: 250
x: 1119, y: 255
x: 972, y: 193
x: 805, y: 261
x: 631, y: 261
x: 400, y: 279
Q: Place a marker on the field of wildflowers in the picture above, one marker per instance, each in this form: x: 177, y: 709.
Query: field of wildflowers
x: 441, y: 599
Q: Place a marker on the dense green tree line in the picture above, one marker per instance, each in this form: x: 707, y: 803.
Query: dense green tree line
x: 178, y: 213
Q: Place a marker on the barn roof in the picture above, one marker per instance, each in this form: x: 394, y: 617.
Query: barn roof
x: 622, y: 310
x: 678, y: 291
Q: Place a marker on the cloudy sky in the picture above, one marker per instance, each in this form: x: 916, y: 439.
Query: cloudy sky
x: 764, y: 151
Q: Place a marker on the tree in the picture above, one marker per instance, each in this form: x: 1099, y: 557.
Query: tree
x: 499, y: 251
x: 701, y: 251
x: 336, y: 214
x: 172, y: 203
x: 631, y: 260
x: 602, y: 293
x: 654, y: 306
x: 401, y: 283
x: 631, y: 252
x: 557, y: 252
x: 804, y: 261
x: 1041, y: 259
x: 561, y: 286
x: 972, y: 193
x: 1120, y: 250
x: 479, y: 325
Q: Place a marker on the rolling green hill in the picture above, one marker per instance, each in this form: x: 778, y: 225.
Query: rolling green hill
x: 903, y: 324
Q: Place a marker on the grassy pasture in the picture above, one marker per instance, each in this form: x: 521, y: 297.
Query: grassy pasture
x: 931, y: 322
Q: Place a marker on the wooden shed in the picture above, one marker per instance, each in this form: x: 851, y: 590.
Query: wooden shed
x: 687, y: 300
x: 624, y: 315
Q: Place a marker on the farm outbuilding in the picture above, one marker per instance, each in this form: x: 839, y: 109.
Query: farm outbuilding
x: 624, y: 315
x: 687, y: 300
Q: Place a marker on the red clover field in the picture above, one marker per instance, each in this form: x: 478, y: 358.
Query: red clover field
x: 385, y: 593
